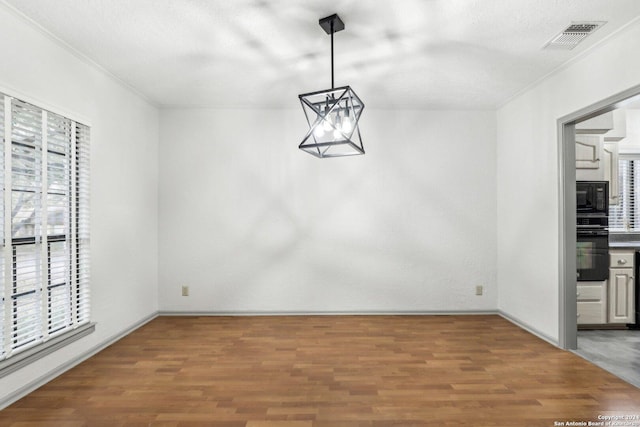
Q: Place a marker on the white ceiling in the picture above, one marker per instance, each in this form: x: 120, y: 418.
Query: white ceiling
x: 440, y: 54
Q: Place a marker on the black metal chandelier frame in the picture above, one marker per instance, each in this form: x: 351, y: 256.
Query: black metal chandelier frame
x: 332, y: 114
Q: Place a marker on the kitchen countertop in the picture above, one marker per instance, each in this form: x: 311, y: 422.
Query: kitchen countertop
x: 624, y: 245
x: 624, y: 240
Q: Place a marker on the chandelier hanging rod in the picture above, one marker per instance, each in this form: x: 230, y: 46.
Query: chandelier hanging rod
x: 332, y: 84
x: 332, y: 24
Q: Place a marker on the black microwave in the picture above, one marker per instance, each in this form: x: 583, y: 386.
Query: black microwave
x: 592, y: 198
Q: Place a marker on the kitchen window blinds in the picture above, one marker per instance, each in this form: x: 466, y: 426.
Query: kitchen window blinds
x: 624, y: 216
x: 44, y: 224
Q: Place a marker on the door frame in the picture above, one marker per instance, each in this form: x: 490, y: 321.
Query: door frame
x: 568, y: 325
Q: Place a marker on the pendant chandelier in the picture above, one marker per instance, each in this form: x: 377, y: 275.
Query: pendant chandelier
x: 332, y: 114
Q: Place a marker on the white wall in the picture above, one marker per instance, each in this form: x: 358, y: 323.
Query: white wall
x: 250, y: 223
x: 124, y: 163
x: 528, y: 181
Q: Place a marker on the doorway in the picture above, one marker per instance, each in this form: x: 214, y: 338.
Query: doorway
x: 594, y: 345
x: 568, y: 333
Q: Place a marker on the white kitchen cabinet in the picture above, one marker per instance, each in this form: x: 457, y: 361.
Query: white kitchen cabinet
x: 619, y: 131
x: 621, y: 295
x: 592, y: 303
x: 597, y: 125
x: 620, y: 258
x: 621, y: 287
x: 610, y: 165
x: 589, y: 153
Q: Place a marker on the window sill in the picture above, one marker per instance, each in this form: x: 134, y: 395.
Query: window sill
x: 26, y: 357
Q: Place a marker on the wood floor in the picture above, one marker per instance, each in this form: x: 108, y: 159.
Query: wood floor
x: 328, y: 371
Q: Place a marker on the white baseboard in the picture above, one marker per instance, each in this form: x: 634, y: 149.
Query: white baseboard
x: 500, y: 313
x: 519, y: 323
x: 39, y: 382
x: 327, y: 313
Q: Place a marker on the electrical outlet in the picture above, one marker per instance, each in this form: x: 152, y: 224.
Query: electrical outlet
x: 479, y: 290
x: 185, y: 291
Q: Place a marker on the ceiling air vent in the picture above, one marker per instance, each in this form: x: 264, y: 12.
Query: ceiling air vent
x: 573, y: 34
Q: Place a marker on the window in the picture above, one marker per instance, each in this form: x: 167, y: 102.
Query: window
x: 44, y: 224
x: 625, y: 215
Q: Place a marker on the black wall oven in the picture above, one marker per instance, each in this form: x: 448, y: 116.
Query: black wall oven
x: 592, y: 229
x: 592, y: 250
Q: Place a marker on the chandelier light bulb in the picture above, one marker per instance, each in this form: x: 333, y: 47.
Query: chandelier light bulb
x: 337, y: 126
x: 327, y: 124
x: 347, y: 126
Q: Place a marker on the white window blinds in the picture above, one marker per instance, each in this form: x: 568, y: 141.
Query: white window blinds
x: 625, y: 216
x: 44, y: 223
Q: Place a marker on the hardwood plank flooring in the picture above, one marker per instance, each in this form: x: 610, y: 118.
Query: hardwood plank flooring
x: 303, y: 371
